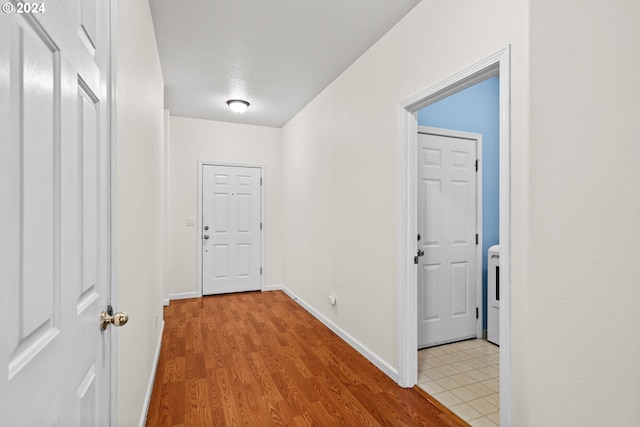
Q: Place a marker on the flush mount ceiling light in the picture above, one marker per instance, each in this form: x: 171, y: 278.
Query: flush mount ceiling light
x: 238, y: 105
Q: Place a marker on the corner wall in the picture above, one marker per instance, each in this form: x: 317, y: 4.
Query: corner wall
x: 139, y: 203
x: 192, y: 140
x: 577, y: 336
x: 341, y: 161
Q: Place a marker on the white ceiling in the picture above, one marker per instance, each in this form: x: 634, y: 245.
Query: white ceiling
x: 276, y: 54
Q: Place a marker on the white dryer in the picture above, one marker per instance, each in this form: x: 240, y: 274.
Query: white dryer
x: 493, y: 283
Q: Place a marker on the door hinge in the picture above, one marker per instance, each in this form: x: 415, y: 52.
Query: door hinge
x: 477, y: 313
x: 476, y: 238
x: 415, y: 259
x: 260, y: 226
x: 261, y: 271
x: 477, y: 165
x: 261, y: 180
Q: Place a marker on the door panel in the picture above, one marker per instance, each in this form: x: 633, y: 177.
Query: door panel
x: 432, y: 231
x: 89, y: 147
x: 86, y: 398
x: 54, y: 236
x: 447, y: 228
x: 463, y: 213
x: 35, y: 96
x: 430, y: 298
x: 231, y: 209
x: 460, y: 289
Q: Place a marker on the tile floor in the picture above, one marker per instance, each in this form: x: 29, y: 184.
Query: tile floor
x: 464, y: 376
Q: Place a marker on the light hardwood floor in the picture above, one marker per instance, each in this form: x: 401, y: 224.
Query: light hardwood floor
x: 259, y: 359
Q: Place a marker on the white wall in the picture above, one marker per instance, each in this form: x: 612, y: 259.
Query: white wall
x: 577, y: 335
x: 192, y: 140
x: 139, y: 204
x: 340, y: 159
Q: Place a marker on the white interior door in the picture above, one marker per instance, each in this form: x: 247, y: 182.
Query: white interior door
x: 54, y: 231
x: 231, y: 224
x: 447, y: 229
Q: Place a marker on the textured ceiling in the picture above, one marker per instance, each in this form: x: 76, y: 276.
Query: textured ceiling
x: 276, y: 54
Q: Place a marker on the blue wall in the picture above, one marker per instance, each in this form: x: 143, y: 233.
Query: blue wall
x: 476, y: 109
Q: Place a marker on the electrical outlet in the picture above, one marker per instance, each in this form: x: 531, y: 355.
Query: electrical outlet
x: 332, y: 298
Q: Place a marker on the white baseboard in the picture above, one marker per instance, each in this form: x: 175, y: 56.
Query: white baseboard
x: 152, y: 378
x: 389, y: 370
x: 181, y: 295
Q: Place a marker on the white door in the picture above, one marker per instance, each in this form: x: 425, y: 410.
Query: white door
x: 231, y: 224
x: 447, y: 235
x: 55, y: 205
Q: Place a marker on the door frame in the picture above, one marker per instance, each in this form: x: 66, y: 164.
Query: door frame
x: 497, y: 64
x: 201, y: 164
x: 478, y: 208
x: 112, y: 130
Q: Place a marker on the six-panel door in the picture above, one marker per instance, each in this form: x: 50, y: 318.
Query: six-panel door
x: 447, y: 228
x: 54, y: 196
x: 231, y: 212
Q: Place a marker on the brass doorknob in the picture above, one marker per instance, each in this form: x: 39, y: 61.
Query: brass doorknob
x: 118, y: 319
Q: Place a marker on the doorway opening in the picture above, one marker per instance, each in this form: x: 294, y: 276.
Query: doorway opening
x: 495, y: 65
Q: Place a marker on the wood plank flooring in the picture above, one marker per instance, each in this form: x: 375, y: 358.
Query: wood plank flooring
x: 259, y: 359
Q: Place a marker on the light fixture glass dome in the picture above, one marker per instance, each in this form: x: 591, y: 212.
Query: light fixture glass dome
x: 238, y: 105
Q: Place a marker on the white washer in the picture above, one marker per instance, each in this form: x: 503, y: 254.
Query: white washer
x: 493, y: 283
